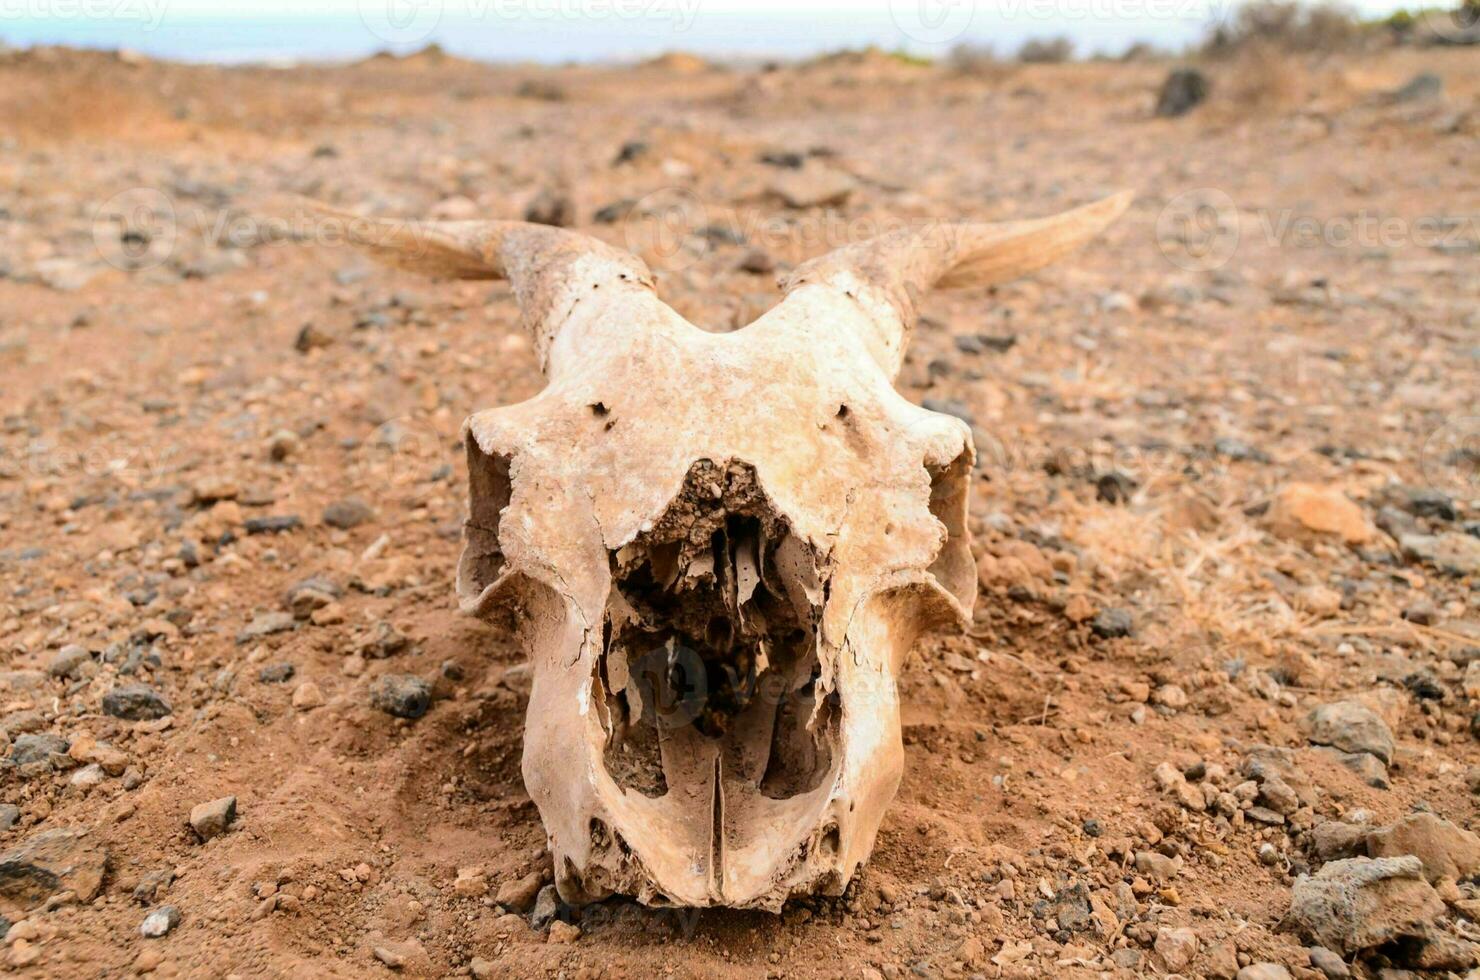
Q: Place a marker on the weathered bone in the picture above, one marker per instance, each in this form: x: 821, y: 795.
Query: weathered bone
x: 718, y: 548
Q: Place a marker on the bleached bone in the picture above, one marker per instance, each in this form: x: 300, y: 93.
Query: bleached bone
x: 718, y: 548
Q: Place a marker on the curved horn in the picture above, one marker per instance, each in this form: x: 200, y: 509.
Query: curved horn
x: 889, y: 274
x: 549, y: 268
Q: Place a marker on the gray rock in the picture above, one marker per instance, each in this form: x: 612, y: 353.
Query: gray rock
x: 1333, y: 966
x: 1332, y: 840
x: 1184, y: 90
x: 347, y: 513
x: 1264, y: 815
x: 276, y: 673
x: 385, y: 641
x: 1239, y: 451
x: 1351, y: 727
x: 212, y: 819
x: 610, y: 214
x: 1070, y: 907
x: 402, y: 695
x: 546, y: 907
x: 272, y: 524
x: 159, y: 922
x: 37, y: 748
x: 88, y: 776
x: 1421, y: 87
x: 52, y: 862
x: 1452, y: 553
x: 9, y: 814
x: 551, y: 208
x: 136, y: 702
x: 311, y: 594
x: 265, y: 624
x: 1425, y: 502
x: 1112, y: 623
x: 1359, y: 903
x: 1277, y: 795
x: 69, y: 661
x: 153, y: 885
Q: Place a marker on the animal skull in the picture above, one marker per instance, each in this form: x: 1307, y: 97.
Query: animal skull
x: 718, y: 548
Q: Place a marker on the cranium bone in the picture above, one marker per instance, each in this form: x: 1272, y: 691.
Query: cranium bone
x: 718, y: 548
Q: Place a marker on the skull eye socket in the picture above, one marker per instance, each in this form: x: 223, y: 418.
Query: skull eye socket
x: 489, y: 491
x: 950, y: 486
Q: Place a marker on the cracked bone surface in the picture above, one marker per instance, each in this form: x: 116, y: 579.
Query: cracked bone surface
x: 718, y: 548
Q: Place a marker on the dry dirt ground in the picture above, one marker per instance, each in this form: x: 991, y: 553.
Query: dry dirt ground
x: 1227, y: 477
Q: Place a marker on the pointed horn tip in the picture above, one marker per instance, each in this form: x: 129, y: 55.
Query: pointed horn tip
x: 1116, y: 204
x: 1107, y: 209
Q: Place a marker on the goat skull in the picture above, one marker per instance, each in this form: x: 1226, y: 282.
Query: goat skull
x: 718, y: 548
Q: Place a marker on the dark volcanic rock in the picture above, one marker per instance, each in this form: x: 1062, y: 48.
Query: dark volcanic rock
x: 136, y: 702
x: 1113, y: 623
x: 1184, y: 90
x: 402, y: 695
x: 36, y: 748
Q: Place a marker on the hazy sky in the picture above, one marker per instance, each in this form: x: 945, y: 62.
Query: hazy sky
x: 558, y: 30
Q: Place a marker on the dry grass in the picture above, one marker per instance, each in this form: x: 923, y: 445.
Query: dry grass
x: 1291, y: 26
x: 1046, y: 51
x: 1264, y: 78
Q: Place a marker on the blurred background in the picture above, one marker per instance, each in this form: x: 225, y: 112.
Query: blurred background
x: 552, y: 31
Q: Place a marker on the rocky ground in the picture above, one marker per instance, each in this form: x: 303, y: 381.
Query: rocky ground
x: 1217, y: 715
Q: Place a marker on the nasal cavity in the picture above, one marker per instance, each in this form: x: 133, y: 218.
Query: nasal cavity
x: 711, y: 629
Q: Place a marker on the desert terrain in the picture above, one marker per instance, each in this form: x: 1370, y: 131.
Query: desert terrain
x: 1226, y: 511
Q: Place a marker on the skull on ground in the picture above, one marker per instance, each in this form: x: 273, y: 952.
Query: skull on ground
x: 718, y: 548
